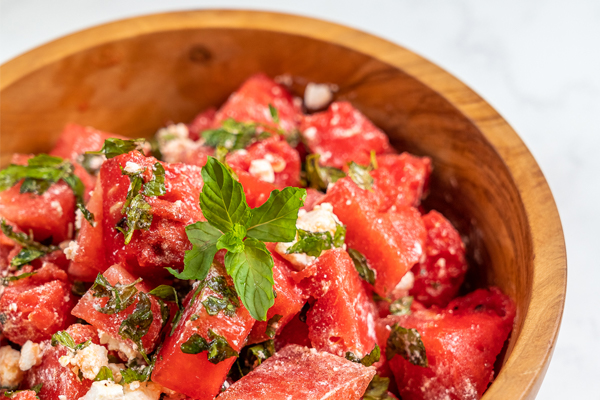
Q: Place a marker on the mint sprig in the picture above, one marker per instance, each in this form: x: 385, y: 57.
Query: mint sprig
x: 113, y: 147
x: 232, y: 225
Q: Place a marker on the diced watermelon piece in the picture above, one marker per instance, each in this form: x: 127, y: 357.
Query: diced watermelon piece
x: 57, y: 380
x: 439, y: 277
x: 401, y: 180
x: 342, y: 319
x: 312, y: 198
x: 299, y: 373
x: 342, y: 134
x: 201, y: 122
x: 88, y: 258
x: 461, y: 342
x: 77, y: 139
x: 202, y: 379
x: 392, y: 242
x: 250, y: 103
x: 49, y: 215
x: 25, y: 395
x: 36, y: 307
x: 87, y: 309
x: 284, y: 160
x: 289, y: 301
x: 257, y: 192
x: 294, y: 332
x: 165, y: 242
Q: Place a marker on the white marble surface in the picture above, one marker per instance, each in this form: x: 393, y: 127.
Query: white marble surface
x: 536, y: 61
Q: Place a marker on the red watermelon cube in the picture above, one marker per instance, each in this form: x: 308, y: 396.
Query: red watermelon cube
x: 342, y: 134
x: 201, y: 122
x: 299, y: 373
x: 257, y: 192
x: 75, y: 140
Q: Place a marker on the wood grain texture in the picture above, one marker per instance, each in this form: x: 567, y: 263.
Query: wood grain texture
x: 132, y: 76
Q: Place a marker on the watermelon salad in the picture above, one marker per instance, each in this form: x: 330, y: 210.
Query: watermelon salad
x: 257, y: 252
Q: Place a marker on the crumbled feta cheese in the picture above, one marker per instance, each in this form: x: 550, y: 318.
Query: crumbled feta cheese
x: 132, y: 167
x: 10, y: 373
x: 88, y: 360
x: 263, y: 170
x: 174, y: 141
x: 62, y: 397
x: 31, y: 355
x: 320, y: 219
x: 57, y: 207
x: 71, y: 250
x: 118, y: 345
x: 104, y: 390
x: 277, y: 162
x: 78, y: 219
x: 310, y: 133
x: 407, y: 282
x: 317, y: 95
x: 12, y: 307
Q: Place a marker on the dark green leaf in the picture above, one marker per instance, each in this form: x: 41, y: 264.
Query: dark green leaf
x: 252, y: 273
x: 233, y: 240
x: 64, y: 338
x: 272, y: 325
x: 136, y: 372
x: 229, y: 301
x: 36, y: 389
x: 232, y: 135
x: 319, y: 177
x: 274, y: 113
x: 138, y: 217
x: 378, y: 389
x: 165, y: 292
x: 25, y: 256
x: 406, y: 343
x: 5, y: 281
x: 79, y: 288
x: 340, y: 236
x: 137, y: 324
x: 104, y: 374
x: 314, y: 243
x: 114, y: 147
x: 156, y: 186
x: 368, y: 359
x: 222, y: 200
x: 197, y: 261
x: 362, y: 266
x: 218, y: 348
x: 275, y: 220
x: 401, y: 306
x: 31, y: 249
x: 119, y: 296
x: 78, y: 188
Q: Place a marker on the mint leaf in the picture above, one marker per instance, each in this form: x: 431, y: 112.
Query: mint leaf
x: 368, y: 359
x: 156, y: 186
x: 314, y: 243
x: 218, y: 348
x: 378, y: 389
x: 104, y: 374
x: 137, y: 324
x: 197, y: 261
x: 165, y: 292
x: 31, y: 249
x: 252, y: 273
x: 319, y: 177
x: 274, y: 113
x: 275, y: 220
x: 406, y: 343
x: 5, y: 281
x: 360, y: 175
x: 222, y: 200
x: 234, y: 135
x: 232, y: 241
x: 228, y: 304
x: 113, y: 147
x: 362, y: 266
x: 401, y: 306
x: 272, y: 325
x: 64, y: 338
x: 119, y: 296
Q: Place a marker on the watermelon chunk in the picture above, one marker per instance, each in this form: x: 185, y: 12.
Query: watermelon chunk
x: 283, y: 160
x: 294, y: 332
x: 400, y: 180
x: 299, y: 373
x: 76, y: 139
x: 461, y: 342
x: 193, y: 374
x: 257, y: 192
x: 439, y: 277
x: 36, y: 307
x: 25, y: 395
x: 289, y: 301
x: 313, y: 197
x: 250, y: 103
x: 57, y: 380
x: 165, y: 242
x: 87, y: 309
x: 342, y: 319
x: 392, y: 242
x: 201, y: 122
x: 342, y: 134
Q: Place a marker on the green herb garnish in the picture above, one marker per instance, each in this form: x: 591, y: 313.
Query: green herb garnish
x: 36, y: 389
x: 64, y: 338
x: 319, y: 177
x: 242, y: 231
x: 314, y: 243
x: 113, y: 147
x: 272, y: 325
x: 137, y: 324
x: 31, y: 249
x: 368, y: 359
x: 406, y: 343
x: 401, y: 306
x: 5, y: 281
x: 218, y: 348
x: 378, y: 389
x: 361, y: 175
x: 362, y: 266
x: 119, y: 296
x: 228, y: 304
x: 104, y: 374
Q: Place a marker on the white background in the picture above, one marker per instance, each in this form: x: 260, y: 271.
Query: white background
x: 536, y: 61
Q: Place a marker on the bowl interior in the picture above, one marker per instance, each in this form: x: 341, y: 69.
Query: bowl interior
x: 134, y: 85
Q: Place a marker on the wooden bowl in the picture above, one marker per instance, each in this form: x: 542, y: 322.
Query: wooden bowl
x: 132, y: 76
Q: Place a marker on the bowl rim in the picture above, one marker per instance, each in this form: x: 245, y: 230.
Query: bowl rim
x: 515, y: 381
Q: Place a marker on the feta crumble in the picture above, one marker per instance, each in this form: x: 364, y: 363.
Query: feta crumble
x: 31, y: 355
x: 88, y: 360
x: 174, y: 140
x: 118, y: 345
x: 320, y: 219
x: 317, y: 95
x: 104, y: 390
x: 132, y: 168
x: 71, y: 250
x: 263, y: 170
x: 10, y: 373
